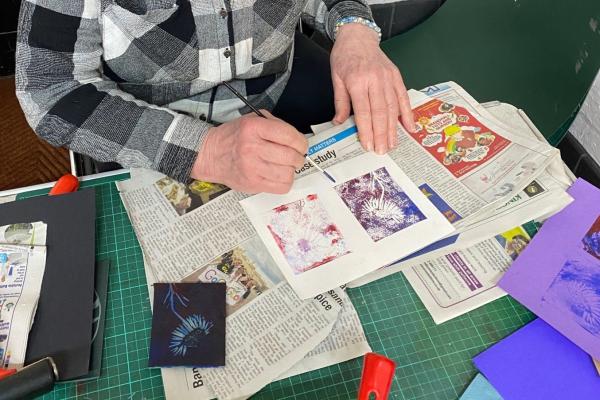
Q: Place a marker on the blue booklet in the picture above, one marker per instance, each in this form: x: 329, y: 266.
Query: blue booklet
x: 188, y: 325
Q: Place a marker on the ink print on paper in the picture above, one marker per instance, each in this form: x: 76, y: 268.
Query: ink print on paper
x: 379, y: 204
x: 188, y: 325
x: 306, y: 234
x: 576, y: 292
x: 591, y: 240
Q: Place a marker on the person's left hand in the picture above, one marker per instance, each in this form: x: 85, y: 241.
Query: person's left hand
x: 365, y: 78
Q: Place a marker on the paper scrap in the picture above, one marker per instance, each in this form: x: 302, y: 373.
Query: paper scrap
x: 538, y: 363
x: 558, y: 275
x: 480, y: 389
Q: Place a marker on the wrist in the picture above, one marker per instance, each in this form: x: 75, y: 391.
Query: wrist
x: 350, y: 26
x: 205, y: 168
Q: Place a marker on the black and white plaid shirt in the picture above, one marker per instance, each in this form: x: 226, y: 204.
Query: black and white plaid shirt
x: 132, y: 80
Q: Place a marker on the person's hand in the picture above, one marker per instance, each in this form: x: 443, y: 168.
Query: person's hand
x: 251, y: 154
x: 364, y: 78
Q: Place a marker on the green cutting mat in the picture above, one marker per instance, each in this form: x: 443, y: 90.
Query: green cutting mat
x: 434, y: 362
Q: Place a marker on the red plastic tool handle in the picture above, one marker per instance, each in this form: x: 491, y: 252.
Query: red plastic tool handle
x: 6, y: 372
x: 66, y: 184
x: 377, y: 375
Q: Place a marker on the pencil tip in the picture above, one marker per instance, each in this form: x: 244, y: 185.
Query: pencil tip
x: 330, y: 177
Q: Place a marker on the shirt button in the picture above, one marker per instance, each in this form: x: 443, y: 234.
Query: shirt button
x: 227, y: 53
x: 223, y: 13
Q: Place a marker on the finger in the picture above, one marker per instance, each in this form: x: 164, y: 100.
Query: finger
x: 268, y: 114
x: 275, y: 173
x: 393, y: 110
x: 280, y: 132
x: 359, y: 96
x: 280, y: 155
x: 379, y: 117
x: 341, y: 100
x: 406, y: 113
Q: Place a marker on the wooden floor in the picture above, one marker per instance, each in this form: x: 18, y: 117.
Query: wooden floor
x: 26, y: 159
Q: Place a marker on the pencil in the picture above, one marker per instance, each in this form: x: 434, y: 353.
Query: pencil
x: 257, y: 112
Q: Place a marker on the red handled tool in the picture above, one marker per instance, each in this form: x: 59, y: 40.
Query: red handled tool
x: 377, y: 375
x: 6, y: 372
x: 66, y: 184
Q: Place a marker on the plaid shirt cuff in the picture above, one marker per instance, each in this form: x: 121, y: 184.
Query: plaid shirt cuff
x: 180, y: 147
x: 346, y: 8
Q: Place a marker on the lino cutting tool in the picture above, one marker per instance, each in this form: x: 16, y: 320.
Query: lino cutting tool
x: 257, y: 112
x: 378, y: 372
x: 65, y: 184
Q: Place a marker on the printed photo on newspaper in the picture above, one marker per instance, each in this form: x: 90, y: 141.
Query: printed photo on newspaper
x: 322, y: 235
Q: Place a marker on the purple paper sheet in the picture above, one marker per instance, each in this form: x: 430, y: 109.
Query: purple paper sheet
x: 538, y: 363
x: 558, y: 275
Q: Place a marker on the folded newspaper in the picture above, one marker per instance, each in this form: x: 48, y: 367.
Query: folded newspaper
x: 22, y: 263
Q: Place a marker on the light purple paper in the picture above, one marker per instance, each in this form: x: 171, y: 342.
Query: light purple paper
x: 558, y: 275
x: 538, y: 363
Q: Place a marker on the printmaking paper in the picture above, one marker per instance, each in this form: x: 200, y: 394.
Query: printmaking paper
x: 306, y: 234
x: 322, y: 235
x: 480, y: 389
x: 558, y: 275
x: 188, y: 325
x: 538, y: 363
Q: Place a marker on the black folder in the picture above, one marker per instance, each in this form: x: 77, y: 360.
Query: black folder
x: 63, y: 322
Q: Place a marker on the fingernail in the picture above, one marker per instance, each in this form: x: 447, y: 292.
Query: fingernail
x: 369, y: 146
x: 380, y: 150
x: 391, y: 142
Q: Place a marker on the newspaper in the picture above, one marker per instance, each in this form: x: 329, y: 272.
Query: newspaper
x: 321, y: 236
x: 259, y: 304
x: 22, y: 264
x: 461, y: 275
x: 461, y: 278
x: 467, y: 174
x: 541, y: 198
x: 271, y: 333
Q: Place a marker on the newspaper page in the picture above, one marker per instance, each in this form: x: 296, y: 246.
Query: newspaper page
x: 321, y: 236
x: 461, y: 279
x: 467, y: 173
x: 346, y: 341
x: 250, y: 275
x: 22, y: 264
x: 268, y: 334
x: 183, y: 227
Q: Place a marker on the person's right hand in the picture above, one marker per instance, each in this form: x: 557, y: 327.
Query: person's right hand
x: 251, y: 154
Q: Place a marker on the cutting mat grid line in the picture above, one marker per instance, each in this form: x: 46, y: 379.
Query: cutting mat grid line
x: 434, y: 361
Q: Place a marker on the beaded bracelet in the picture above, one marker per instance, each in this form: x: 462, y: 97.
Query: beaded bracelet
x: 356, y: 20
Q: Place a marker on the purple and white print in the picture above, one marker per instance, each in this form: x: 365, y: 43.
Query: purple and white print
x: 379, y: 204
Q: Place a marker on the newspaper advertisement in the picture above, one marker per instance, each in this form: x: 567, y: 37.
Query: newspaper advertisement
x: 22, y: 264
x: 462, y: 279
x: 321, y: 236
